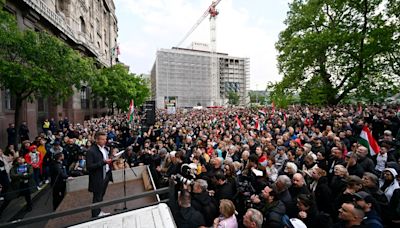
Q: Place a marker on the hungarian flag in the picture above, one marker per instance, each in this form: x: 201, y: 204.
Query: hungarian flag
x: 115, y: 51
x: 367, y: 140
x: 239, y: 124
x: 261, y: 112
x: 257, y: 125
x: 131, y: 112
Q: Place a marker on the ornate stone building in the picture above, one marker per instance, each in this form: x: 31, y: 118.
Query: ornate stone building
x: 89, y: 26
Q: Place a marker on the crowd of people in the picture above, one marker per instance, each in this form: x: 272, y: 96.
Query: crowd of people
x: 232, y: 167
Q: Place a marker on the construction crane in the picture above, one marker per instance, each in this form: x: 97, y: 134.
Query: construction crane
x: 212, y: 11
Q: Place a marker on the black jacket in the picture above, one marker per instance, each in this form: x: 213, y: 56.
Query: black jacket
x: 225, y: 191
x: 95, y: 166
x: 273, y: 214
x: 206, y: 205
x: 323, y: 196
x: 58, y: 175
x: 189, y: 218
x: 184, y: 217
x: 356, y: 169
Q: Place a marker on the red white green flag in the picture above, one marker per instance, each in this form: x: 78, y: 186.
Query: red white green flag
x: 239, y: 124
x: 367, y: 140
x: 131, y: 112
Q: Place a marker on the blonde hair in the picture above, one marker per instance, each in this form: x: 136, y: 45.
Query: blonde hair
x: 227, y: 208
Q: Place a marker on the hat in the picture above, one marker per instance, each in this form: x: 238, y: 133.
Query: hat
x: 56, y: 143
x: 362, y: 195
x: 391, y: 170
x: 281, y: 148
x: 172, y: 153
x: 32, y: 148
x: 387, y: 132
x: 298, y: 141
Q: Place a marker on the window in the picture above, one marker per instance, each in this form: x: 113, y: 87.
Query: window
x: 9, y: 100
x: 105, y: 37
x: 94, y: 102
x: 83, y: 25
x: 41, y: 103
x: 84, y: 97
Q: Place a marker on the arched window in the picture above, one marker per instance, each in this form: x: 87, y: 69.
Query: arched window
x: 83, y: 25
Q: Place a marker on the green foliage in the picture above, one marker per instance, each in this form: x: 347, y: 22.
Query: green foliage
x: 118, y: 86
x: 314, y: 92
x: 346, y: 47
x: 281, y: 95
x: 233, y: 98
x: 38, y: 64
x: 255, y: 97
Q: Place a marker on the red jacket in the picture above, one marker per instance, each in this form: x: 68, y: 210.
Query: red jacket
x: 37, y: 159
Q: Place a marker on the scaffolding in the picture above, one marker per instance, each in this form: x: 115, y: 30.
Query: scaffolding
x: 185, y: 75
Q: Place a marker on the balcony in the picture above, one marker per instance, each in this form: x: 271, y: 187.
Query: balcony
x: 40, y: 7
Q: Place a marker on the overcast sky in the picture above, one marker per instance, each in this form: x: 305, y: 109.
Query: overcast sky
x: 245, y: 28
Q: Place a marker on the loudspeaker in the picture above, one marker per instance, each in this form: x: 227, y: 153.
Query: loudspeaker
x: 149, y: 111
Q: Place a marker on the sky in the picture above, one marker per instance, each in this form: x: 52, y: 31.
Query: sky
x: 245, y: 28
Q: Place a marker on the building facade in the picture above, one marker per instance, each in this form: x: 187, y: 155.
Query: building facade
x: 184, y: 75
x: 89, y: 26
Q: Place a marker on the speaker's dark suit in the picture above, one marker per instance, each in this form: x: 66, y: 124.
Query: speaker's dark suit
x: 98, y: 177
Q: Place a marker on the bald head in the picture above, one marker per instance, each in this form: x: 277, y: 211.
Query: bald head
x: 362, y: 151
x: 298, y: 180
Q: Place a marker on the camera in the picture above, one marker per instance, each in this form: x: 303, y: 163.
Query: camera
x: 181, y: 179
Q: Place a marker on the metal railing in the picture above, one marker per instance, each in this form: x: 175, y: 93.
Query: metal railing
x: 47, y: 217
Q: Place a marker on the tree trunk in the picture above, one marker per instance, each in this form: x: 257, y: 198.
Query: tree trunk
x: 17, y: 113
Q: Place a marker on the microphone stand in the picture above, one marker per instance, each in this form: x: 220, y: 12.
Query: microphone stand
x: 124, y: 186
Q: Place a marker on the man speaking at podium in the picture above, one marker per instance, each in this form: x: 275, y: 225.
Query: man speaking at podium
x: 99, y: 167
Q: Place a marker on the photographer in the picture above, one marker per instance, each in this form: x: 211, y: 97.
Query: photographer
x: 271, y: 206
x: 22, y: 180
x: 203, y: 202
x: 224, y: 189
x: 185, y: 215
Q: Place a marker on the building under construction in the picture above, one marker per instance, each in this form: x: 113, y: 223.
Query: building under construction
x: 184, y: 76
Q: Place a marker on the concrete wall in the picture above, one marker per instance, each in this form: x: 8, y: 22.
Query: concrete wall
x: 81, y: 183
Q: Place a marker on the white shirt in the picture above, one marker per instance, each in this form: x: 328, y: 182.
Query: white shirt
x: 105, y: 156
x: 381, y: 162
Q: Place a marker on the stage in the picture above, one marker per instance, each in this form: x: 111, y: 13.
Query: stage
x: 78, y: 195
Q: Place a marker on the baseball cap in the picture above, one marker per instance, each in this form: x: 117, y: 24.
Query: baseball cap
x: 281, y: 148
x: 32, y: 148
x: 362, y: 195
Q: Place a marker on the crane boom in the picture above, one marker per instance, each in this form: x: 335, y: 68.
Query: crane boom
x: 201, y: 19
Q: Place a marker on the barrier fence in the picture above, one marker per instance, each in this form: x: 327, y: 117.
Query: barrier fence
x: 58, y: 214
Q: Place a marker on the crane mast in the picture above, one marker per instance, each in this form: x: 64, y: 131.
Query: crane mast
x: 214, y: 78
x: 215, y: 87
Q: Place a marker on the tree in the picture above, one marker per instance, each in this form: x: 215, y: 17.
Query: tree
x: 347, y: 47
x: 119, y: 87
x: 280, y: 95
x: 36, y: 64
x: 255, y: 97
x: 233, y: 98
